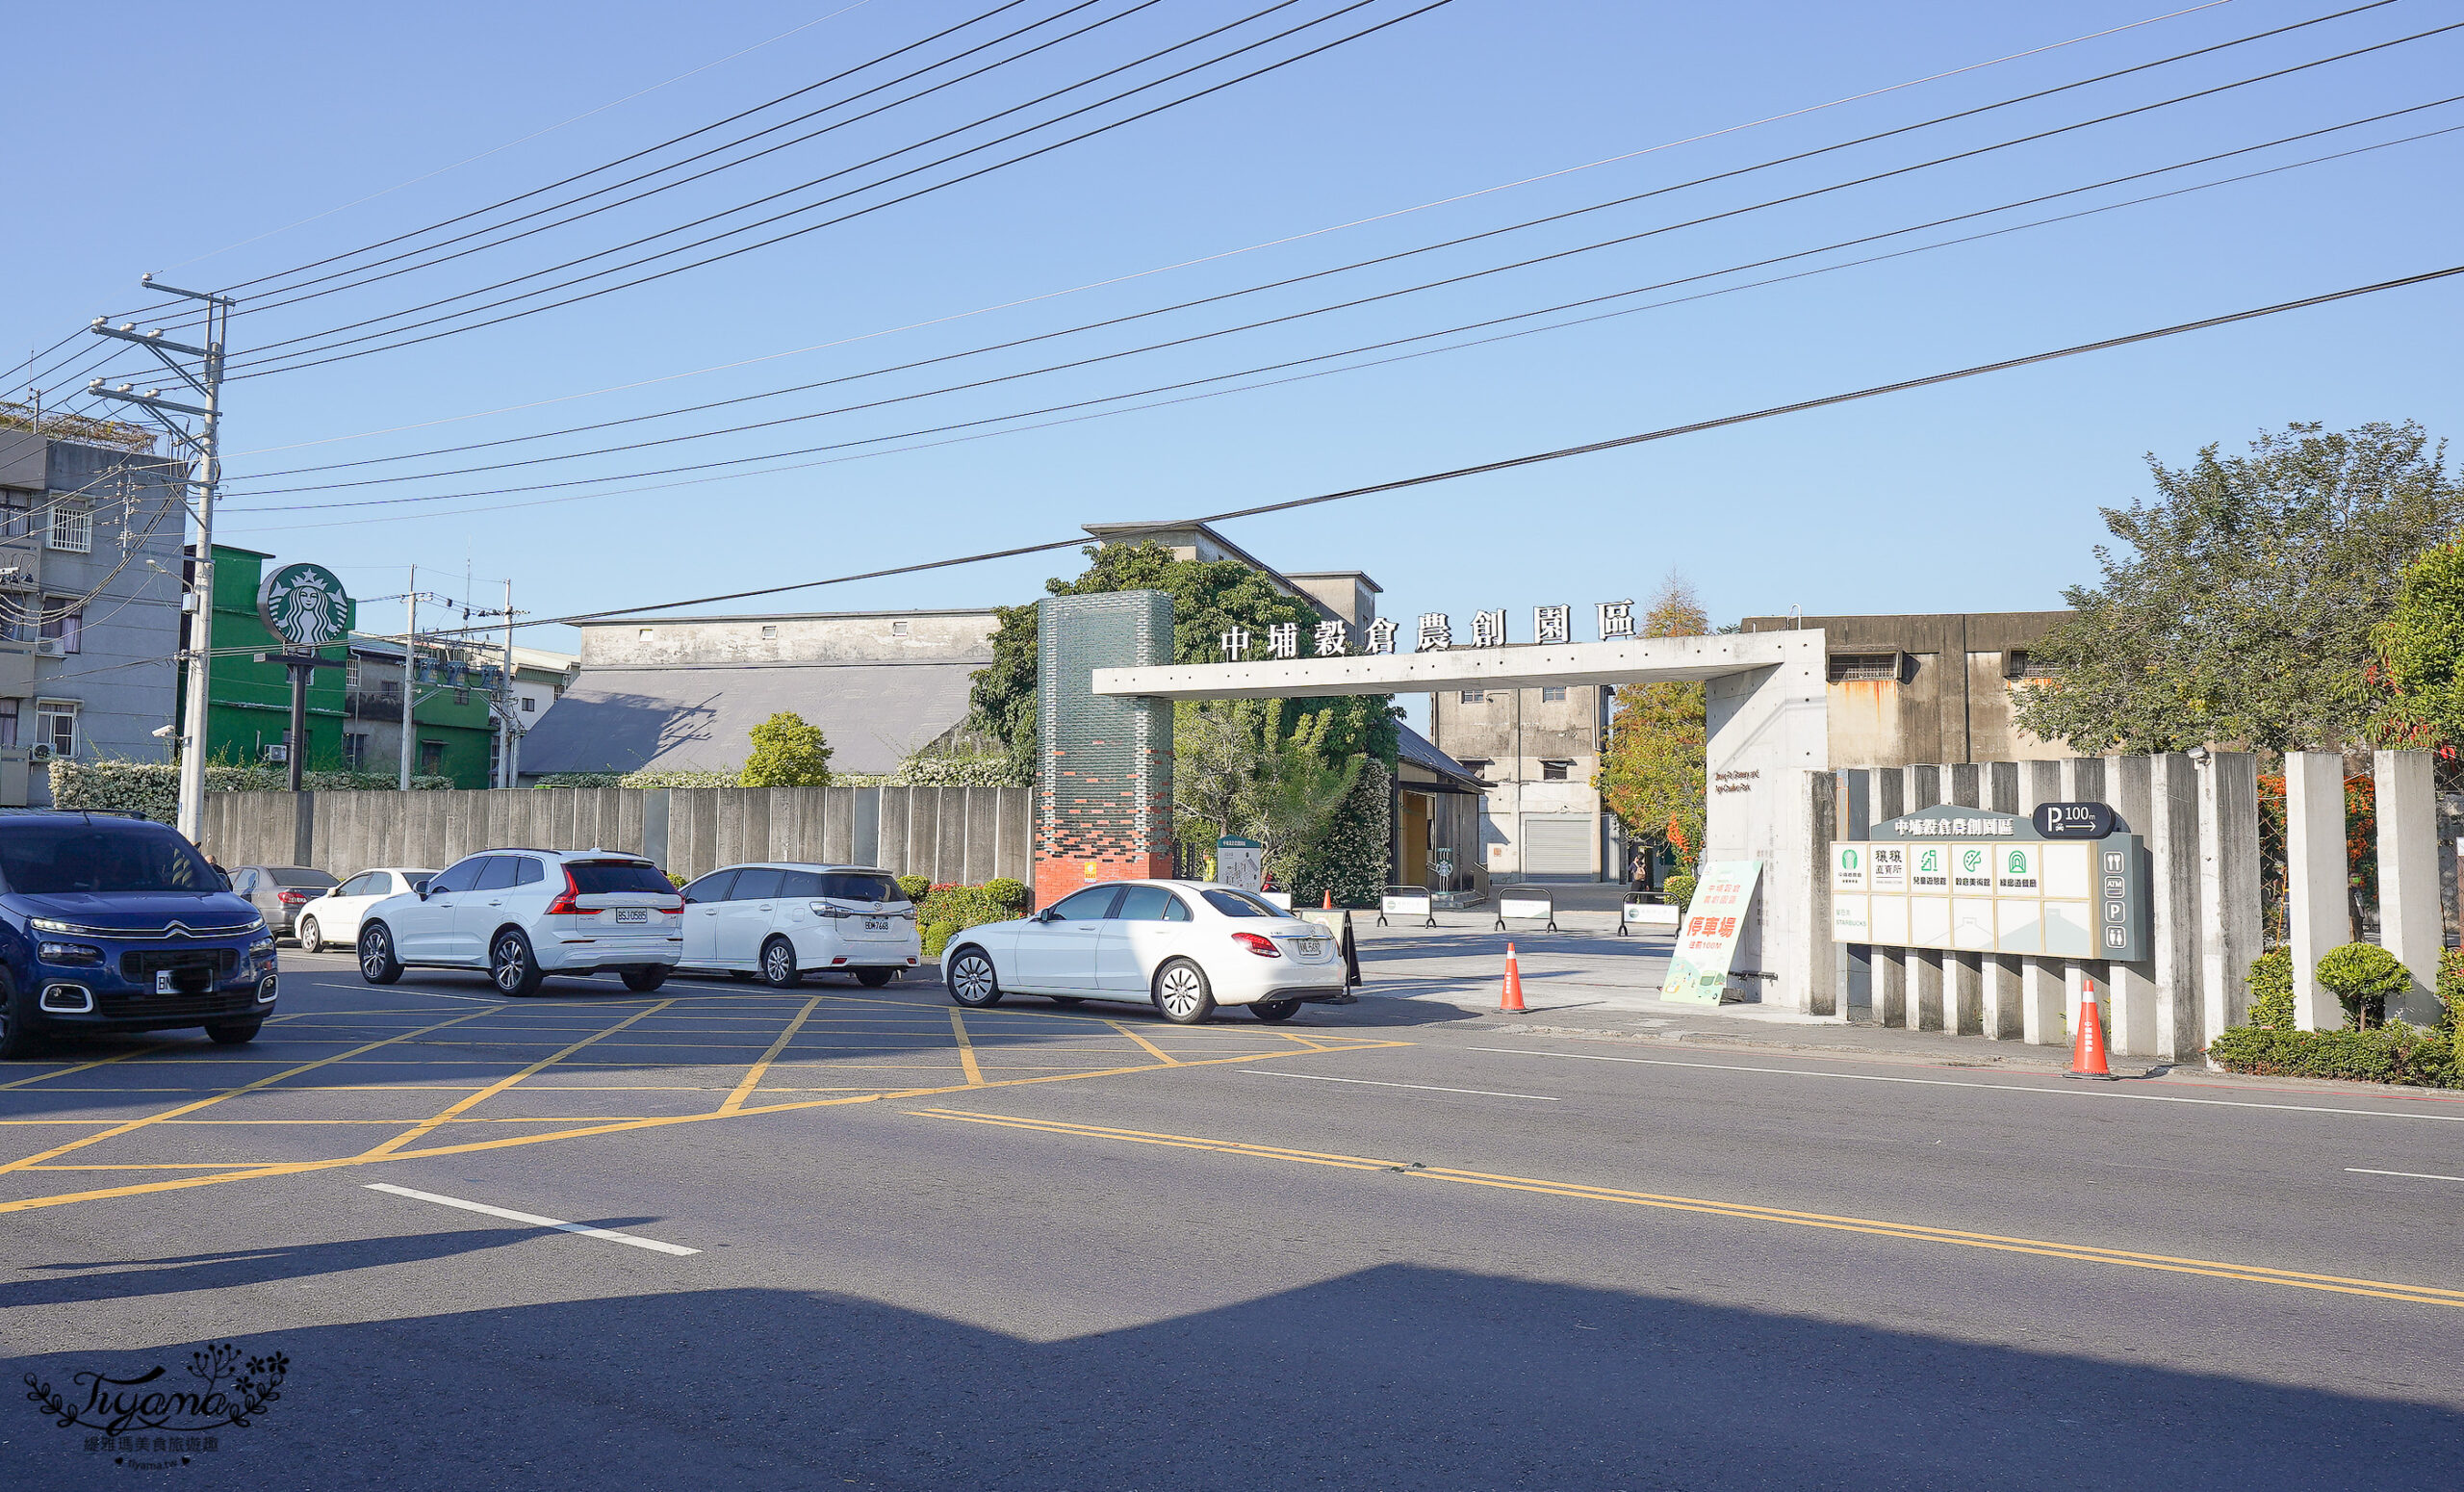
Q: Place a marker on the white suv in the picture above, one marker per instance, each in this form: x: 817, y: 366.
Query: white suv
x: 782, y: 922
x: 523, y: 915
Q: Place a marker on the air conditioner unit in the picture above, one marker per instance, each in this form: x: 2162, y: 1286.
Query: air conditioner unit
x: 50, y: 648
x: 278, y: 752
x: 39, y: 752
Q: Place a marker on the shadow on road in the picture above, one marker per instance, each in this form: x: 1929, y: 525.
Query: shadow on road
x: 1398, y: 1377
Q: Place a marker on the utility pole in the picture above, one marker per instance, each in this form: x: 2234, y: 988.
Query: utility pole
x: 512, y: 731
x: 410, y: 680
x: 204, y: 446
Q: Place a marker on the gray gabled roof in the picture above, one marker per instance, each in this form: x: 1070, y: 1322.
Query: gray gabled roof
x: 702, y: 718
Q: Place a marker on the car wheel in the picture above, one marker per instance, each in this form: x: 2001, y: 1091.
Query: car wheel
x: 874, y: 978
x: 512, y: 968
x: 1066, y: 1002
x: 17, y: 1037
x: 971, y: 979
x: 1276, y: 1010
x: 378, y: 964
x: 311, y: 940
x: 233, y: 1033
x: 1182, y: 993
x: 646, y: 978
x: 779, y: 964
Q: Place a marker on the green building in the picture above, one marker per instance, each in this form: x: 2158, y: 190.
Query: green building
x: 355, y: 710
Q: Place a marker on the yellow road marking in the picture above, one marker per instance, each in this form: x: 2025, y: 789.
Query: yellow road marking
x: 2085, y: 1253
x: 1131, y: 1032
x: 263, y: 1082
x: 298, y: 1167
x: 753, y: 1075
x: 471, y: 1100
x: 164, y: 1166
x: 967, y: 1050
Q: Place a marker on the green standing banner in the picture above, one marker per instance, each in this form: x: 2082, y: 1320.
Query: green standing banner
x: 1698, y: 969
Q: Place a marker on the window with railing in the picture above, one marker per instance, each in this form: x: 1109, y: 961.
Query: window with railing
x: 72, y: 524
x: 1847, y: 667
x: 56, y: 725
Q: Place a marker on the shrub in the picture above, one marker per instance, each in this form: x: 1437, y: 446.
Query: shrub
x: 936, y: 936
x: 153, y: 788
x: 2362, y: 976
x: 2450, y: 993
x: 1007, y: 893
x: 2270, y: 982
x: 676, y: 777
x: 789, y: 751
x: 1347, y: 857
x: 2386, y: 1054
x: 1679, y: 889
x: 914, y: 886
x: 925, y: 770
x: 581, y: 779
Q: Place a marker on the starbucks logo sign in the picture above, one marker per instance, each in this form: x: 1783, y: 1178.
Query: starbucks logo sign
x: 304, y: 606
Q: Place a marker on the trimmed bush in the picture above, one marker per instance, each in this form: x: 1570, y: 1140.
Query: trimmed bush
x: 923, y: 770
x: 936, y: 936
x: 153, y: 788
x: 2450, y: 992
x: 1007, y: 893
x: 2363, y: 976
x: 677, y: 778
x: 2270, y: 982
x: 914, y: 886
x: 1679, y: 889
x: 2386, y: 1054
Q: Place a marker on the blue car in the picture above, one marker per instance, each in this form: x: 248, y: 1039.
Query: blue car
x: 117, y: 924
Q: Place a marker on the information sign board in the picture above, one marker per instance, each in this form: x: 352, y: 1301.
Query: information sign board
x: 1698, y: 968
x: 1975, y: 882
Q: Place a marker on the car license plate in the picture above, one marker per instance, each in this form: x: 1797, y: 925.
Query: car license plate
x: 1311, y: 948
x: 877, y: 924
x: 163, y: 982
x: 632, y: 914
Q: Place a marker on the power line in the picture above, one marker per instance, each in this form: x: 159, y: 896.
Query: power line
x: 1589, y: 448
x: 1291, y: 280
x: 371, y: 279
x: 294, y: 367
x: 1230, y: 253
x: 1203, y: 336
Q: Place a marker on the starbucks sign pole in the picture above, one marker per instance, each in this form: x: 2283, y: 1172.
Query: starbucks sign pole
x: 307, y: 607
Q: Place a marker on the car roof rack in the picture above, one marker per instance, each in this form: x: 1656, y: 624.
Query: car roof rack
x: 88, y: 812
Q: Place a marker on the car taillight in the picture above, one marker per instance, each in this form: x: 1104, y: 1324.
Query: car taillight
x: 1263, y: 947
x: 292, y: 898
x: 563, y: 906
x: 678, y: 906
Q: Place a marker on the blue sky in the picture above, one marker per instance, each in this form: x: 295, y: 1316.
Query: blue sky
x: 1981, y: 496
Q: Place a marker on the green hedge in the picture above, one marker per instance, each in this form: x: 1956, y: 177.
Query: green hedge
x: 2382, y: 1054
x: 153, y: 788
x: 944, y: 911
x: 2270, y: 981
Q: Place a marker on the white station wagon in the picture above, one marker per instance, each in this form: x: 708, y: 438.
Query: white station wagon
x: 1185, y: 946
x: 780, y: 921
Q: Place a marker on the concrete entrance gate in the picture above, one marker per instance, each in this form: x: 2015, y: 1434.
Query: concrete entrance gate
x: 1105, y: 684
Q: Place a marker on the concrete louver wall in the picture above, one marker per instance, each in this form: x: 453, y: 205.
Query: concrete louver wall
x: 944, y: 833
x: 2200, y: 823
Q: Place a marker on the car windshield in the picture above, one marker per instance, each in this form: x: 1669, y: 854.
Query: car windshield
x: 860, y: 886
x: 43, y: 859
x: 298, y: 875
x: 1240, y: 904
x: 603, y: 877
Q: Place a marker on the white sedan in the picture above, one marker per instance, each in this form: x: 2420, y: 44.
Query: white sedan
x: 1186, y: 946
x: 334, y: 917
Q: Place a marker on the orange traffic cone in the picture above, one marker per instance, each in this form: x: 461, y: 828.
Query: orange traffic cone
x: 2087, y: 1048
x: 1330, y: 900
x: 1512, y: 1003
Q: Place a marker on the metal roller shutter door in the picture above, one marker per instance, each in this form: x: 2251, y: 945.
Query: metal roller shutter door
x: 1556, y: 846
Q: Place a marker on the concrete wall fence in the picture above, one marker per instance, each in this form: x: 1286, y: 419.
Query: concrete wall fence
x: 2198, y: 815
x: 944, y: 833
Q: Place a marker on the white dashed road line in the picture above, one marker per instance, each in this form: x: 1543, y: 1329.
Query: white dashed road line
x: 2411, y: 1175
x: 1426, y: 1088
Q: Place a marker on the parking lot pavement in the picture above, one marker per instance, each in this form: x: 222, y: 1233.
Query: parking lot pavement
x: 347, y: 1075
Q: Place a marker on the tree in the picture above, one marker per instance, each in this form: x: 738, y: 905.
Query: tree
x: 1652, y: 771
x: 787, y: 752
x: 1209, y: 599
x: 2420, y: 652
x: 1237, y: 770
x: 2240, y: 609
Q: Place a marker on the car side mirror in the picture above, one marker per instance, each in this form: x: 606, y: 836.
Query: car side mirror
x: 1048, y: 914
x: 421, y: 893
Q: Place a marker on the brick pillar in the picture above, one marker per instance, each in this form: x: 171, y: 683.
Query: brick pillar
x: 1104, y: 777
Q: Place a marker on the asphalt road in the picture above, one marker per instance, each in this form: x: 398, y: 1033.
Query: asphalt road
x: 1386, y: 1247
